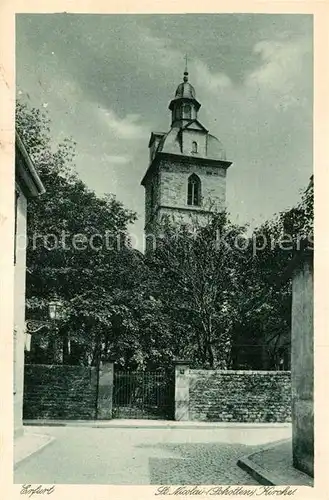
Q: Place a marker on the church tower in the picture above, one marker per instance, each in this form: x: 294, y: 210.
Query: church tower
x: 187, y: 166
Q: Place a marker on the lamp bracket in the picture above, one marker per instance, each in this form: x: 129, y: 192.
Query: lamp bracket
x: 34, y: 325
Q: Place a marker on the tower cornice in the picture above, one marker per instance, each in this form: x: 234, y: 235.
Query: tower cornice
x: 178, y: 100
x: 194, y: 160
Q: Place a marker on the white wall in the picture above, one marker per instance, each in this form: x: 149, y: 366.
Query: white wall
x: 19, y: 311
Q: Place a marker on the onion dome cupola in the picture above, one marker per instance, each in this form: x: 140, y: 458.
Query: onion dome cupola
x: 184, y: 107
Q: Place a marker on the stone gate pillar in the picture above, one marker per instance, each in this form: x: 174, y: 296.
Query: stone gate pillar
x: 105, y: 391
x: 182, y: 384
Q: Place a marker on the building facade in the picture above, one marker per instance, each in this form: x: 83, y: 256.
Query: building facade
x: 27, y: 185
x: 187, y: 168
x: 302, y: 362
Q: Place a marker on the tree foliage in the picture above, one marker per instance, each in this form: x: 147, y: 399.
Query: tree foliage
x: 74, y: 238
x: 197, y: 267
x: 210, y: 292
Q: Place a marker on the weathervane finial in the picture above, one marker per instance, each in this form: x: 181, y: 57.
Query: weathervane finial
x: 186, y: 71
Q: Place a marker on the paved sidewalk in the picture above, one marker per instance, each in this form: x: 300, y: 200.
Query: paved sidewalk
x: 273, y: 466
x: 28, y: 444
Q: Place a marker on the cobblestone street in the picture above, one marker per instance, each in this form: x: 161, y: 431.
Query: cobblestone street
x: 85, y: 455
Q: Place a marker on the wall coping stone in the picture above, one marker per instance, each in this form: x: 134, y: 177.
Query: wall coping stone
x: 242, y: 372
x: 54, y: 365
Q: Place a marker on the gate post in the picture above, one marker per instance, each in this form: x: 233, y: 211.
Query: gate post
x: 182, y: 384
x: 105, y: 391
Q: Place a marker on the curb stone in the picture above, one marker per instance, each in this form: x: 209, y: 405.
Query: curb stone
x: 153, y: 424
x: 257, y: 472
x: 262, y: 475
x: 36, y: 451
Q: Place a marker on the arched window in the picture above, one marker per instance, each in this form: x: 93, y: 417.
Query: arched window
x: 187, y: 111
x: 152, y: 197
x: 194, y: 190
x: 178, y: 113
x: 194, y: 147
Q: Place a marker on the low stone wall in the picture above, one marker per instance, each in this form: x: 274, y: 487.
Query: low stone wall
x: 59, y: 392
x: 239, y: 396
x: 70, y: 392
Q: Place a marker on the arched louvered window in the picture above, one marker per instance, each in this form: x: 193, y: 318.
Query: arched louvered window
x: 152, y: 197
x: 194, y: 190
x: 194, y: 147
x: 187, y: 111
x: 178, y: 113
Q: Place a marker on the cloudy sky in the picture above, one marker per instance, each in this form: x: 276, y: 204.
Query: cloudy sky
x: 106, y: 81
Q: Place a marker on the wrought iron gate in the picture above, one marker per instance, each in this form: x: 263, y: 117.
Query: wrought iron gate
x: 148, y: 395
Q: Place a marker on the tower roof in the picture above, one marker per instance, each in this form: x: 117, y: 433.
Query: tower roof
x: 185, y: 91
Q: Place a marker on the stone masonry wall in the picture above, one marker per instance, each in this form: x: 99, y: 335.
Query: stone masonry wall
x: 239, y: 396
x: 59, y: 392
x: 173, y: 184
x: 170, y: 185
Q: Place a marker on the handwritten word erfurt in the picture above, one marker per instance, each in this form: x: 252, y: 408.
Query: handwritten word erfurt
x: 38, y: 490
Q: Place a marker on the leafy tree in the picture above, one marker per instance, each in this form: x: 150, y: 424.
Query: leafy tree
x: 223, y: 291
x: 198, y: 271
x: 209, y: 293
x: 265, y: 318
x: 74, y: 236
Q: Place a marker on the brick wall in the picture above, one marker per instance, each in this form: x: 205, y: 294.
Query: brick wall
x: 59, y: 392
x: 239, y: 396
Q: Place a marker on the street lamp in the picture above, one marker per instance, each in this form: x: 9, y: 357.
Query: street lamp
x: 54, y: 308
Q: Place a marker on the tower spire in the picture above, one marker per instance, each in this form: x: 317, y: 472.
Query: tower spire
x: 184, y: 107
x: 186, y: 71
